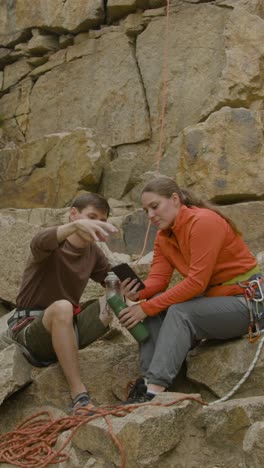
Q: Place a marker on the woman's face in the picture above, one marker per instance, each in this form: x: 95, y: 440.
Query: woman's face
x: 161, y: 211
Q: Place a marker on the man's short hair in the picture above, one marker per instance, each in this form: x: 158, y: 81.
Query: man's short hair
x: 91, y: 199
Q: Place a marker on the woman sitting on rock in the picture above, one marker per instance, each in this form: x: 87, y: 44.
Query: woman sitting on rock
x: 205, y: 247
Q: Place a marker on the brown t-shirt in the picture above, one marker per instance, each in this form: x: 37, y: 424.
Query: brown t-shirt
x: 59, y: 271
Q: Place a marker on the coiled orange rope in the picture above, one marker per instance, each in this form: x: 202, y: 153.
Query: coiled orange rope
x: 31, y: 444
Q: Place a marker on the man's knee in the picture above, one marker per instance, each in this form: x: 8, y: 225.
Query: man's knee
x: 58, y: 312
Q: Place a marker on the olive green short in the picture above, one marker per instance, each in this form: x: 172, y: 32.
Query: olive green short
x: 35, y: 337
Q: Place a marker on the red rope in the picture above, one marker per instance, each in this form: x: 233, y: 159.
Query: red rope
x: 164, y: 86
x: 31, y: 444
x: 165, y: 74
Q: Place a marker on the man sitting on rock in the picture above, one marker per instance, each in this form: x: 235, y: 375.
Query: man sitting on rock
x: 48, y: 322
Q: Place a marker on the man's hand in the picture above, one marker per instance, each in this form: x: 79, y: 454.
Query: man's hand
x: 131, y: 316
x: 129, y: 289
x: 92, y: 229
x: 87, y: 229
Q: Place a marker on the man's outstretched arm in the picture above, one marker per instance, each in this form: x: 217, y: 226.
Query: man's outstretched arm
x: 88, y: 229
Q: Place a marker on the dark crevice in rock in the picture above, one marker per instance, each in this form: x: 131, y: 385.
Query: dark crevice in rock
x: 13, y: 86
x: 134, y: 143
x: 234, y: 199
x: 23, y: 133
x: 133, y: 45
x: 41, y: 163
x: 20, y: 179
x: 88, y: 187
x: 233, y: 104
x: 196, y: 2
x: 229, y: 7
x: 100, y: 185
x: 13, y: 38
x: 3, y: 92
x: 105, y: 11
x: 113, y: 154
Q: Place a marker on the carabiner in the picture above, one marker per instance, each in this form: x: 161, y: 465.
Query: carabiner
x: 257, y: 289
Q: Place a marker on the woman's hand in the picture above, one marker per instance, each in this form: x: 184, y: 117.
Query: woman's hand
x: 131, y: 316
x: 129, y: 289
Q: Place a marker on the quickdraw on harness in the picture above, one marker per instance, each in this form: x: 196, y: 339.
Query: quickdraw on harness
x: 253, y: 293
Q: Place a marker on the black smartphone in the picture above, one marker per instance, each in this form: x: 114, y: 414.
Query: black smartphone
x: 124, y: 271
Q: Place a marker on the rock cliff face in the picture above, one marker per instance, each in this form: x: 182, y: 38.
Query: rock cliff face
x: 76, y: 71
x: 81, y: 94
x: 81, y: 88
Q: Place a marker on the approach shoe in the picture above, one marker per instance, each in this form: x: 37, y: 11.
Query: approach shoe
x: 81, y: 401
x: 139, y: 393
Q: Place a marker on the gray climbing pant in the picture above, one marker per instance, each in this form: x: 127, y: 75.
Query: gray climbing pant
x: 173, y: 333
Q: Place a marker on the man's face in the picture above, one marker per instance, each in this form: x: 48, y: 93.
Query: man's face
x: 90, y: 212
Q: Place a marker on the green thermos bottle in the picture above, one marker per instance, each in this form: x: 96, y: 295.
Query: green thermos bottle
x: 139, y: 331
x: 115, y: 301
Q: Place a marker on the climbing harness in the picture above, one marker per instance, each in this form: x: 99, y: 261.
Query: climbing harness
x: 19, y: 321
x: 22, y: 317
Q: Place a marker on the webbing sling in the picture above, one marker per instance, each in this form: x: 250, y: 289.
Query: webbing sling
x: 243, y: 276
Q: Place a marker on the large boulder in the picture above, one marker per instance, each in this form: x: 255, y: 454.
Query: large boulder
x: 253, y: 446
x: 98, y: 93
x: 50, y: 171
x: 220, y: 366
x: 212, y: 152
x: 241, y: 78
x: 96, y: 363
x: 194, y: 46
x: 15, y: 371
x: 252, y: 6
x: 145, y: 435
x: 57, y: 15
x: 15, y: 239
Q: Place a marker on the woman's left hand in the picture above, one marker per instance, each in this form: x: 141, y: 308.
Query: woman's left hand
x: 129, y: 289
x: 131, y: 316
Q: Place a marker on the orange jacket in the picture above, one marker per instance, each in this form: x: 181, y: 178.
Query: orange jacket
x: 203, y: 247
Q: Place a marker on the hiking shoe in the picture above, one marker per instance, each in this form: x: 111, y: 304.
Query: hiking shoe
x: 82, y: 400
x: 138, y: 393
